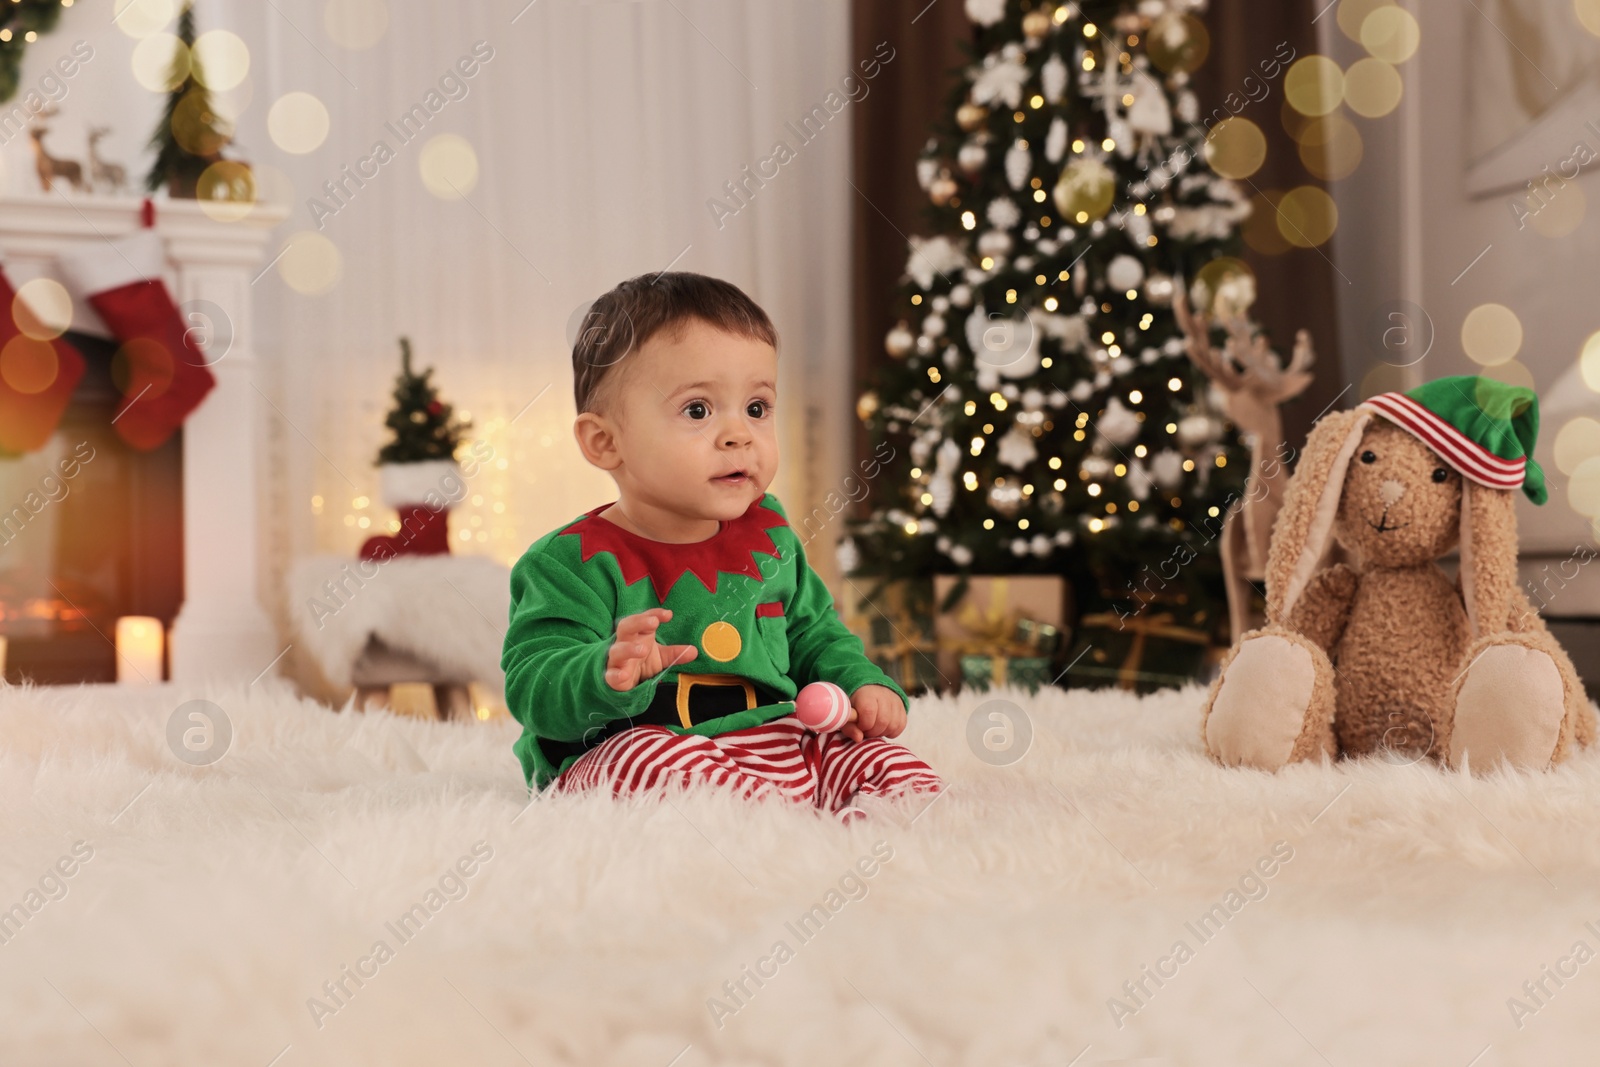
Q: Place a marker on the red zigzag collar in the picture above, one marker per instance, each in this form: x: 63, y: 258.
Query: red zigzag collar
x: 731, y: 550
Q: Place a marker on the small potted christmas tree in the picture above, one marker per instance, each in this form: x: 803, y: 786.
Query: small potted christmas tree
x: 191, y: 135
x: 417, y: 472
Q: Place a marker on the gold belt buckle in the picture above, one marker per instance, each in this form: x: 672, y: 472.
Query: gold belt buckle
x: 687, y: 682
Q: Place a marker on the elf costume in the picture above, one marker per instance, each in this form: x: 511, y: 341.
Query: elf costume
x: 763, y: 624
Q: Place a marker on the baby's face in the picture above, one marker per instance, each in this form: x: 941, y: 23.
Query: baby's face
x: 695, y: 422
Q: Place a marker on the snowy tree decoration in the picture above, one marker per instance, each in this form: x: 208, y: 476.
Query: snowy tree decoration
x: 1053, y: 79
x: 932, y: 257
x: 848, y: 556
x: 1125, y: 273
x: 1002, y: 79
x: 1017, y: 449
x: 1055, y: 142
x: 1118, y: 425
x: 986, y: 12
x: 1019, y: 164
x: 1003, y: 214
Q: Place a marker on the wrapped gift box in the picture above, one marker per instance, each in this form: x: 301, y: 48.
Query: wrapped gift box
x: 994, y: 627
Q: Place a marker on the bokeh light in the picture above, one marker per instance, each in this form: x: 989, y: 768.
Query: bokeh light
x: 1260, y: 229
x: 1588, y: 14
x: 1178, y: 43
x: 355, y: 24
x: 298, y: 122
x: 1372, y: 88
x: 28, y: 365
x: 1294, y: 123
x: 1511, y: 372
x: 1352, y: 13
x: 160, y: 62
x: 1589, y: 362
x: 1307, y: 216
x: 42, y: 309
x: 1575, y: 442
x: 226, y: 190
x: 1236, y: 148
x: 141, y: 18
x: 196, y: 125
x: 1383, y: 378
x: 311, y: 263
x: 230, y: 104
x: 273, y: 185
x: 142, y: 367
x: 1085, y: 190
x: 1583, y: 487
x: 1560, y: 212
x: 1224, y: 272
x: 1391, y: 34
x: 1331, y: 147
x: 1314, y: 85
x: 1491, y: 334
x: 449, y: 166
x: 221, y: 59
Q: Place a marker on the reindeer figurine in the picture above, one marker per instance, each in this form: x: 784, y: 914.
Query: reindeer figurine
x: 48, y: 166
x: 102, y: 172
x: 1253, y: 382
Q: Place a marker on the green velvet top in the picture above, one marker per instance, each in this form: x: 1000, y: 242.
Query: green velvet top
x: 745, y: 598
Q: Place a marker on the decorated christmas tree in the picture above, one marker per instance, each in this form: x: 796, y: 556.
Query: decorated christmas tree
x: 191, y: 135
x: 423, y: 426
x: 1044, y: 413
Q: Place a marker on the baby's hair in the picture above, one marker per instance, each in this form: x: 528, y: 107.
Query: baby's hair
x: 622, y: 320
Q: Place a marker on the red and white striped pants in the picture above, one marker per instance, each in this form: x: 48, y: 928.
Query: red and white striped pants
x: 779, y: 758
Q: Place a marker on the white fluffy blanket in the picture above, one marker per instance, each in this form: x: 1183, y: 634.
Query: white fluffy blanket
x: 446, y: 610
x: 213, y: 913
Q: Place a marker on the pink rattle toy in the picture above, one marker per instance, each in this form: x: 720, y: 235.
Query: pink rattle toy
x: 823, y: 707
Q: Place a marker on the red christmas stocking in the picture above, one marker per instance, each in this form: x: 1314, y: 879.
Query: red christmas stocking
x: 160, y: 367
x: 421, y: 493
x: 36, y: 377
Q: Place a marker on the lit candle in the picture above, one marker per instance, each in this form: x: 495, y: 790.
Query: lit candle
x: 139, y: 644
x: 2, y: 658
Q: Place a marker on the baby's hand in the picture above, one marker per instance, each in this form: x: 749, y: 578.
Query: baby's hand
x: 635, y: 655
x: 879, y: 713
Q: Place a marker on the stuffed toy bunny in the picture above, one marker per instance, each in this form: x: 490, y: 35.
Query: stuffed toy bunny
x: 1386, y: 652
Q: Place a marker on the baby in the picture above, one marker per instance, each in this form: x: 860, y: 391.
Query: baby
x: 662, y: 639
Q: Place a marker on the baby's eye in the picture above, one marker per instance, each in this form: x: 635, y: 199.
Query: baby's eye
x: 1440, y: 474
x: 697, y: 409
x: 1369, y: 456
x: 758, y: 409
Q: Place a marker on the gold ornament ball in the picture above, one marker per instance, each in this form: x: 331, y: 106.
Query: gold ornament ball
x: 970, y: 116
x: 1087, y: 187
x: 1178, y: 43
x: 898, y: 341
x: 1036, y: 24
x: 866, y: 406
x: 942, y: 189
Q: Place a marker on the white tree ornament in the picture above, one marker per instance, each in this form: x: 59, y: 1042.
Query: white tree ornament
x: 1019, y: 164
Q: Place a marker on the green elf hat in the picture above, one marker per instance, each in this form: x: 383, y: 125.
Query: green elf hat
x: 1483, y: 428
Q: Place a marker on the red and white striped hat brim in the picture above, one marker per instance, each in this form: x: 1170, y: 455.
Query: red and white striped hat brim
x: 1470, y: 459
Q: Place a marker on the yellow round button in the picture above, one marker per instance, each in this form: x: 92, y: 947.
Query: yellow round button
x: 721, y: 641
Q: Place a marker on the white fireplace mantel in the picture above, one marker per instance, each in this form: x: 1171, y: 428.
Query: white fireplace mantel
x: 222, y: 631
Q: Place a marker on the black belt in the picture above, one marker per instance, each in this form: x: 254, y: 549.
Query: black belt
x: 692, y: 700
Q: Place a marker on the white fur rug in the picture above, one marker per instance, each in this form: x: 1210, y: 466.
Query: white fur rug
x: 208, y: 905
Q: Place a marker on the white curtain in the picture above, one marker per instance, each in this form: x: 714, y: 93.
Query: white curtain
x: 600, y: 130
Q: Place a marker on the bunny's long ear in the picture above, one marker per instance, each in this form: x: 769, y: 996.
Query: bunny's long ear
x: 1488, y: 556
x: 1304, y: 528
